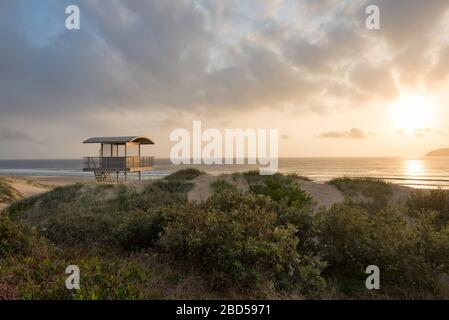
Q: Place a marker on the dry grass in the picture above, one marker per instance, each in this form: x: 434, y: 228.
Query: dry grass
x: 7, y: 193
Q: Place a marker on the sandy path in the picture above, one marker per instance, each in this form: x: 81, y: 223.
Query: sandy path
x: 324, y: 194
x: 202, y: 189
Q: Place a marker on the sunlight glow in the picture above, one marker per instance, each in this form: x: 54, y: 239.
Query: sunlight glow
x: 413, y: 112
x: 414, y: 168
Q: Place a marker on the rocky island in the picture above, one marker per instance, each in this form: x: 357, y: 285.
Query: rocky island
x: 439, y: 153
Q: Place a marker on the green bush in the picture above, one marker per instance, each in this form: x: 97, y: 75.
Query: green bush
x: 90, y: 215
x: 174, y: 186
x: 370, y: 193
x: 184, y: 175
x: 433, y: 241
x: 222, y: 185
x: 291, y: 203
x: 79, y: 228
x: 298, y: 214
x: 46, y: 205
x: 158, y: 194
x: 234, y: 239
x: 44, y: 278
x: 433, y: 200
x: 141, y: 230
x: 13, y: 239
x: 281, y: 188
x: 351, y: 238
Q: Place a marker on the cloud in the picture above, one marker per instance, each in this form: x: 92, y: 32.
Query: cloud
x: 423, y: 132
x: 354, y: 133
x: 374, y: 80
x: 7, y: 134
x: 201, y: 57
x: 410, y: 27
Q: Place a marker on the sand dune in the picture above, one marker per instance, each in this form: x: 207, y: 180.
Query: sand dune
x: 325, y: 195
x: 26, y: 187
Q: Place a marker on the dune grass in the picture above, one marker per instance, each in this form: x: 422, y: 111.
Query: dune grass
x: 369, y: 192
x: 7, y: 193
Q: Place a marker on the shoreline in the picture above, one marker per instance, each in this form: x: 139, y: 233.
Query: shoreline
x: 418, y: 173
x: 63, y: 180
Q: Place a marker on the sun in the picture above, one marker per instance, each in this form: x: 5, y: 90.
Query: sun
x: 413, y: 111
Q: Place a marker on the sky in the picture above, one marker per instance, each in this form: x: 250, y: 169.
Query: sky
x: 309, y: 68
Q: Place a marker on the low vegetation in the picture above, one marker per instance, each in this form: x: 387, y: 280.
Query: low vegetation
x: 264, y: 243
x: 369, y: 193
x: 7, y: 193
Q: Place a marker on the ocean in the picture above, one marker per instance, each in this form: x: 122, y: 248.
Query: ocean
x: 414, y: 172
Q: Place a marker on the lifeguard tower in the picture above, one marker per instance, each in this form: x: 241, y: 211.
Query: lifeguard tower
x: 118, y: 155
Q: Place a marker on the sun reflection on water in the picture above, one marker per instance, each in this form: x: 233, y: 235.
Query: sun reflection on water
x: 414, y: 168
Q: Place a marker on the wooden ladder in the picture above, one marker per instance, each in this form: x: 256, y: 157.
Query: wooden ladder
x: 101, y: 176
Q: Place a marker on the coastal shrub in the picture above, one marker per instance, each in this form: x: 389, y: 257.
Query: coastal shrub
x: 233, y: 238
x: 13, y: 239
x: 158, y: 194
x: 141, y: 230
x: 89, y: 214
x: 76, y: 220
x: 184, y: 175
x: 115, y: 278
x: 433, y: 240
x: 370, y: 193
x: 51, y: 200
x: 281, y: 188
x: 350, y: 239
x: 104, y: 276
x: 222, y: 185
x: 18, y: 208
x: 298, y: 177
x: 39, y: 208
x: 33, y: 278
x: 291, y: 203
x: 174, y: 186
x: 44, y: 278
x: 298, y: 214
x: 79, y: 228
x: 430, y: 200
x: 343, y: 236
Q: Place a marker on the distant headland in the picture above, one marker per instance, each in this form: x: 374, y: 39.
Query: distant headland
x: 439, y: 153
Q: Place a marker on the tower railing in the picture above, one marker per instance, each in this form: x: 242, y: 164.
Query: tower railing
x: 117, y: 163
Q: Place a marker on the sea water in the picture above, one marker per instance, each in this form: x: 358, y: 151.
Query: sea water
x: 415, y: 172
